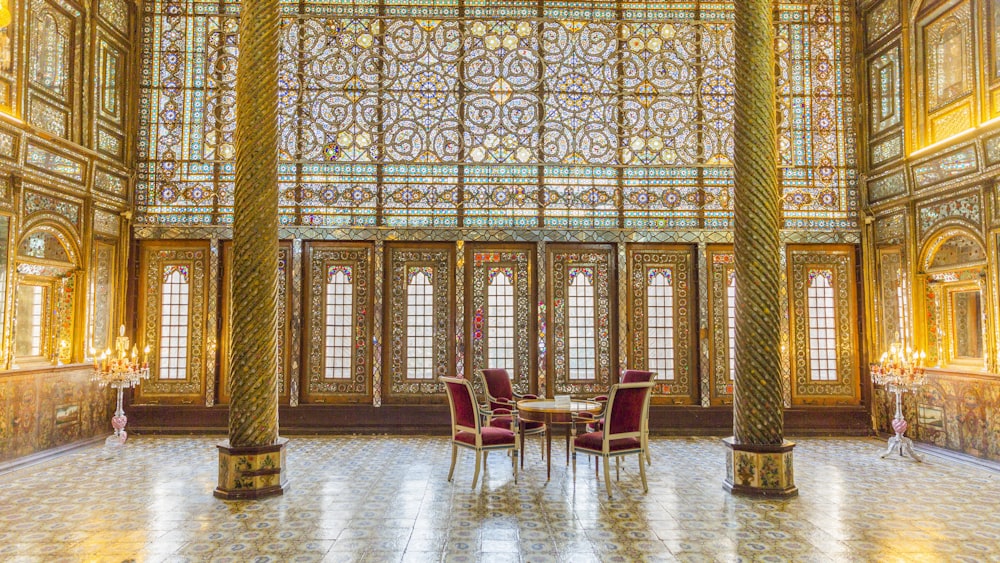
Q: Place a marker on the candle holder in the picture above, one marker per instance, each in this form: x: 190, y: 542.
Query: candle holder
x: 900, y: 371
x: 121, y: 370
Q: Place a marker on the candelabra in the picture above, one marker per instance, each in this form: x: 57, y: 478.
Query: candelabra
x: 900, y: 371
x: 120, y: 370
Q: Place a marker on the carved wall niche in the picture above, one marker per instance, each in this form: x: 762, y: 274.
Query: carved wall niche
x: 957, y: 299
x: 44, y: 306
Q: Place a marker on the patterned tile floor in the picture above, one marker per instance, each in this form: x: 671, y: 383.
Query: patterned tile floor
x: 387, y: 499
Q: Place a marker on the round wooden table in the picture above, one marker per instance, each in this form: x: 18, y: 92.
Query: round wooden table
x: 550, y: 413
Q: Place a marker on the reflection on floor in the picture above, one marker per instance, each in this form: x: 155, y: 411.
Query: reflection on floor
x: 387, y: 499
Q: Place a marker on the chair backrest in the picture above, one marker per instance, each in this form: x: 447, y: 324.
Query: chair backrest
x: 627, y: 407
x: 637, y: 376
x: 462, y: 402
x: 498, y: 386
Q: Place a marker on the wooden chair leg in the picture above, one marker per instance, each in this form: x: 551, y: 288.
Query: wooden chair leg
x: 454, y: 455
x: 618, y: 469
x: 514, y: 458
x: 642, y: 472
x: 607, y: 475
x: 479, y: 459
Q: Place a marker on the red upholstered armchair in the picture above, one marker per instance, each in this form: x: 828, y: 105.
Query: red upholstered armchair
x: 501, y: 400
x: 628, y: 376
x: 623, y: 432
x: 467, y: 430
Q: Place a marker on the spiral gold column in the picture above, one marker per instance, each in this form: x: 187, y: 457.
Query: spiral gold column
x: 252, y: 461
x: 759, y: 461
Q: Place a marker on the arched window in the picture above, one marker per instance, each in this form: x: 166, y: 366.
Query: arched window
x: 420, y: 324
x: 174, y: 313
x: 500, y: 318
x: 582, y: 344
x: 339, y: 323
x: 660, y: 322
x: 822, y: 326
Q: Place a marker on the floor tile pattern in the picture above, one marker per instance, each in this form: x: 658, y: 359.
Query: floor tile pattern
x: 363, y: 498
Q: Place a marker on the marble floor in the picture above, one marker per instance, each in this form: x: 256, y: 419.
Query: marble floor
x: 386, y: 498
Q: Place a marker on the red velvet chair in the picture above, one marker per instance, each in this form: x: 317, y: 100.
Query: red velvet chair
x: 501, y: 399
x: 628, y: 376
x: 624, y: 430
x: 467, y: 430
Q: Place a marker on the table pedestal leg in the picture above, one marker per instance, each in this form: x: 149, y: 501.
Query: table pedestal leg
x: 520, y: 429
x: 548, y: 451
x: 567, y: 443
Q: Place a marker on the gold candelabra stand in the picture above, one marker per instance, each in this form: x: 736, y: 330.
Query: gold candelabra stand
x: 120, y: 370
x: 900, y: 370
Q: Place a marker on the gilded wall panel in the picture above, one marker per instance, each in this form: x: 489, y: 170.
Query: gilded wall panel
x: 580, y: 323
x: 53, y: 35
x: 36, y: 202
x: 45, y: 409
x: 102, y: 298
x: 953, y: 164
x: 887, y: 150
x: 966, y: 209
x: 517, y: 264
x: 948, y: 56
x: 676, y: 265
x: 49, y: 163
x: 993, y: 150
x: 325, y: 260
x: 419, y: 278
x: 157, y: 261
x: 889, y: 185
x: 882, y: 19
x: 722, y: 308
x: 838, y: 265
x: 994, y: 44
x: 885, y: 93
x: 890, y: 229
x: 893, y: 299
x: 10, y: 144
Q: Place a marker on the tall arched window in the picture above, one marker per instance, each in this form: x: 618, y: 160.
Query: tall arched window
x: 660, y: 322
x: 822, y: 326
x: 339, y: 336
x: 420, y: 324
x: 582, y: 343
x: 500, y: 318
x: 174, y: 312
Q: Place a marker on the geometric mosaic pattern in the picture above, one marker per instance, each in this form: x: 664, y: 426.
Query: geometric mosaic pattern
x: 388, y: 499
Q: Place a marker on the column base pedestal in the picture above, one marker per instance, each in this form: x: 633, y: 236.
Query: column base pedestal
x: 760, y: 470
x: 251, y: 472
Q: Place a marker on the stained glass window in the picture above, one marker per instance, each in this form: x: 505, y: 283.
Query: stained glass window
x: 500, y: 318
x: 419, y: 324
x: 510, y: 113
x: 339, y: 323
x: 822, y: 327
x: 660, y: 323
x: 582, y: 336
x: 174, y: 323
